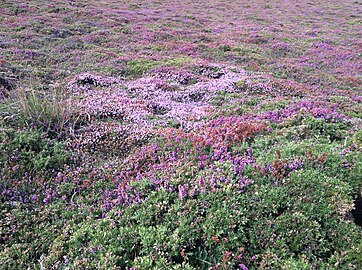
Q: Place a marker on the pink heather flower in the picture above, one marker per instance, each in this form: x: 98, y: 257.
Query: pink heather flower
x: 183, y: 191
x: 228, y: 254
x: 243, y: 266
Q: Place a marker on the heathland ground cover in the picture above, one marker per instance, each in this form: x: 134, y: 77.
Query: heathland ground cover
x: 180, y: 134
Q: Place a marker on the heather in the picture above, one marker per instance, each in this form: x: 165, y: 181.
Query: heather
x: 180, y: 135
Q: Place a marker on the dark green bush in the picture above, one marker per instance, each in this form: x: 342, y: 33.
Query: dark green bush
x: 299, y: 223
x: 29, y: 151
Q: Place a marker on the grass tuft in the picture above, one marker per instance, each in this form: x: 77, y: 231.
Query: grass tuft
x: 32, y: 108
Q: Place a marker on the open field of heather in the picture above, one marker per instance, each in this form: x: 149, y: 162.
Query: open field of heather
x: 180, y: 134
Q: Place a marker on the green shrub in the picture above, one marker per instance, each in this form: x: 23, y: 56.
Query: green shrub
x: 30, y: 152
x: 319, y: 127
x: 27, y: 235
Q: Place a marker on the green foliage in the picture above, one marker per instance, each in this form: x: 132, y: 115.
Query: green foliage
x: 319, y: 127
x: 137, y: 67
x: 302, y: 218
x: 27, y: 235
x: 293, y: 225
x: 357, y: 138
x: 162, y: 233
x: 30, y: 152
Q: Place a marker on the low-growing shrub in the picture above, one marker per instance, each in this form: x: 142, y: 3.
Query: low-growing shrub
x: 295, y: 224
x: 28, y: 161
x: 31, y: 152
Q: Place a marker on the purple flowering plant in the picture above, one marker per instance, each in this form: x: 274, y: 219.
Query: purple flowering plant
x: 180, y: 135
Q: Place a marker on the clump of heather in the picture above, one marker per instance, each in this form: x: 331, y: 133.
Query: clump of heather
x: 86, y: 80
x: 107, y: 137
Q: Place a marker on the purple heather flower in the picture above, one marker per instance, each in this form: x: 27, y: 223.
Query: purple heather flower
x: 347, y: 165
x: 345, y: 151
x: 92, y: 249
x: 46, y: 200
x: 295, y: 165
